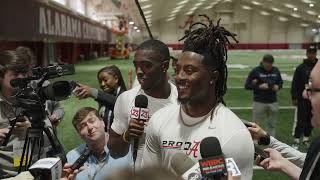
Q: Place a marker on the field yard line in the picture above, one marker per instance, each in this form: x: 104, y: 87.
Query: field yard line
x: 280, y: 107
x: 242, y: 87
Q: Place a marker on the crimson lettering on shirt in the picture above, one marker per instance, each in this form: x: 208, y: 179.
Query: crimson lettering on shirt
x: 189, y: 147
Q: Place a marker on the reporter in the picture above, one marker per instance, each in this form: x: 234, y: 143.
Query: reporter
x: 293, y: 155
x: 112, y: 85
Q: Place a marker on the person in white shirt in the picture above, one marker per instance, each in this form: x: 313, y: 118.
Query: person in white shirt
x: 201, y: 75
x: 151, y: 62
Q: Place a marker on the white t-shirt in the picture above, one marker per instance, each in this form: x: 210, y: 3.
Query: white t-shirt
x: 168, y: 134
x: 124, y: 104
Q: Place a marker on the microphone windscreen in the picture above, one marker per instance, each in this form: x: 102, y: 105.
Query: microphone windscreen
x: 180, y: 163
x: 210, y: 147
x: 141, y: 101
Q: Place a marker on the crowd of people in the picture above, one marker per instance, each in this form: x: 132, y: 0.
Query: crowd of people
x: 183, y: 109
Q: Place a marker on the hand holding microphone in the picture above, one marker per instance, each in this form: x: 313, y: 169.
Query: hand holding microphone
x: 139, y: 114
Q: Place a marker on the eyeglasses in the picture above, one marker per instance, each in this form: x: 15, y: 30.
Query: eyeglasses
x: 310, y: 90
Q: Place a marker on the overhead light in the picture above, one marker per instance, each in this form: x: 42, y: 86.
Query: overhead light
x: 147, y: 12
x: 246, y: 7
x: 275, y: 9
x: 182, y: 2
x: 194, y: 8
x: 170, y: 19
x: 178, y: 7
x: 289, y: 6
x: 198, y: 4
x: 214, y: 3
x: 189, y: 13
x: 295, y: 9
x: 143, y: 0
x: 265, y: 13
x: 148, y: 16
x: 131, y: 22
x: 314, y: 30
x: 175, y: 11
x: 138, y: 30
x: 283, y: 19
x: 172, y: 15
x: 311, y: 12
x: 295, y: 15
x: 146, y: 6
x: 311, y: 5
x: 304, y: 24
x: 135, y: 27
x: 256, y: 3
x: 208, y: 7
x: 307, y: 1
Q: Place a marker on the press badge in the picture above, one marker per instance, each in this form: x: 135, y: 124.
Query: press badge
x: 17, y: 153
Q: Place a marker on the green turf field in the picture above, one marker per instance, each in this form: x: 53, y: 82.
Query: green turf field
x: 235, y: 97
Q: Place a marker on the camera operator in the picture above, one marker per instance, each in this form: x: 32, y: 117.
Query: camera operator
x: 11, y: 67
x: 265, y: 81
x: 53, y: 109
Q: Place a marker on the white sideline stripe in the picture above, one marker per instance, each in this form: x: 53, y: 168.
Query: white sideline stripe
x: 257, y: 167
x: 280, y: 107
x: 242, y: 87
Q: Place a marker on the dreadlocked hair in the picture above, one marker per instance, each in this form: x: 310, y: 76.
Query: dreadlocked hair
x: 211, y: 42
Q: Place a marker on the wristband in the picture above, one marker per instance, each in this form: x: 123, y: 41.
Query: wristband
x: 124, y: 137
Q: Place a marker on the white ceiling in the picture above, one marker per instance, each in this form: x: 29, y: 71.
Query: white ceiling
x: 286, y: 10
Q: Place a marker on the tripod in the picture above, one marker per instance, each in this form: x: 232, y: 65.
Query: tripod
x: 34, y: 139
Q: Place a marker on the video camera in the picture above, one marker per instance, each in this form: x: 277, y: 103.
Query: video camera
x: 31, y: 94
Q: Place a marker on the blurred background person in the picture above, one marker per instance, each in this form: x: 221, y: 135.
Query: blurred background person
x: 303, y: 127
x: 112, y: 85
x: 265, y: 81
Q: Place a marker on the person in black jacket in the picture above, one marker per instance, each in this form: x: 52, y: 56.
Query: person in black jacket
x: 265, y: 81
x: 300, y: 80
x: 112, y: 85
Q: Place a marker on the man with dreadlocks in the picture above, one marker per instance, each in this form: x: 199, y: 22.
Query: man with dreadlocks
x: 201, y: 76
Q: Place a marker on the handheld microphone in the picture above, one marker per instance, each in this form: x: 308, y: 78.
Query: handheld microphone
x: 81, y: 160
x: 188, y: 169
x: 213, y: 164
x: 47, y: 168
x: 139, y: 112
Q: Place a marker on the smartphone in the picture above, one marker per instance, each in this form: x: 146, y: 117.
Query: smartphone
x: 260, y: 152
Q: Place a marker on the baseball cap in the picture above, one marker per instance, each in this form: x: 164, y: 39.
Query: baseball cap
x: 312, y: 48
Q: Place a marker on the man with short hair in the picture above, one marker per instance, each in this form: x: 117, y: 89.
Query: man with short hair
x: 265, y: 81
x: 201, y: 76
x: 100, y: 164
x: 151, y: 62
x: 300, y: 80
